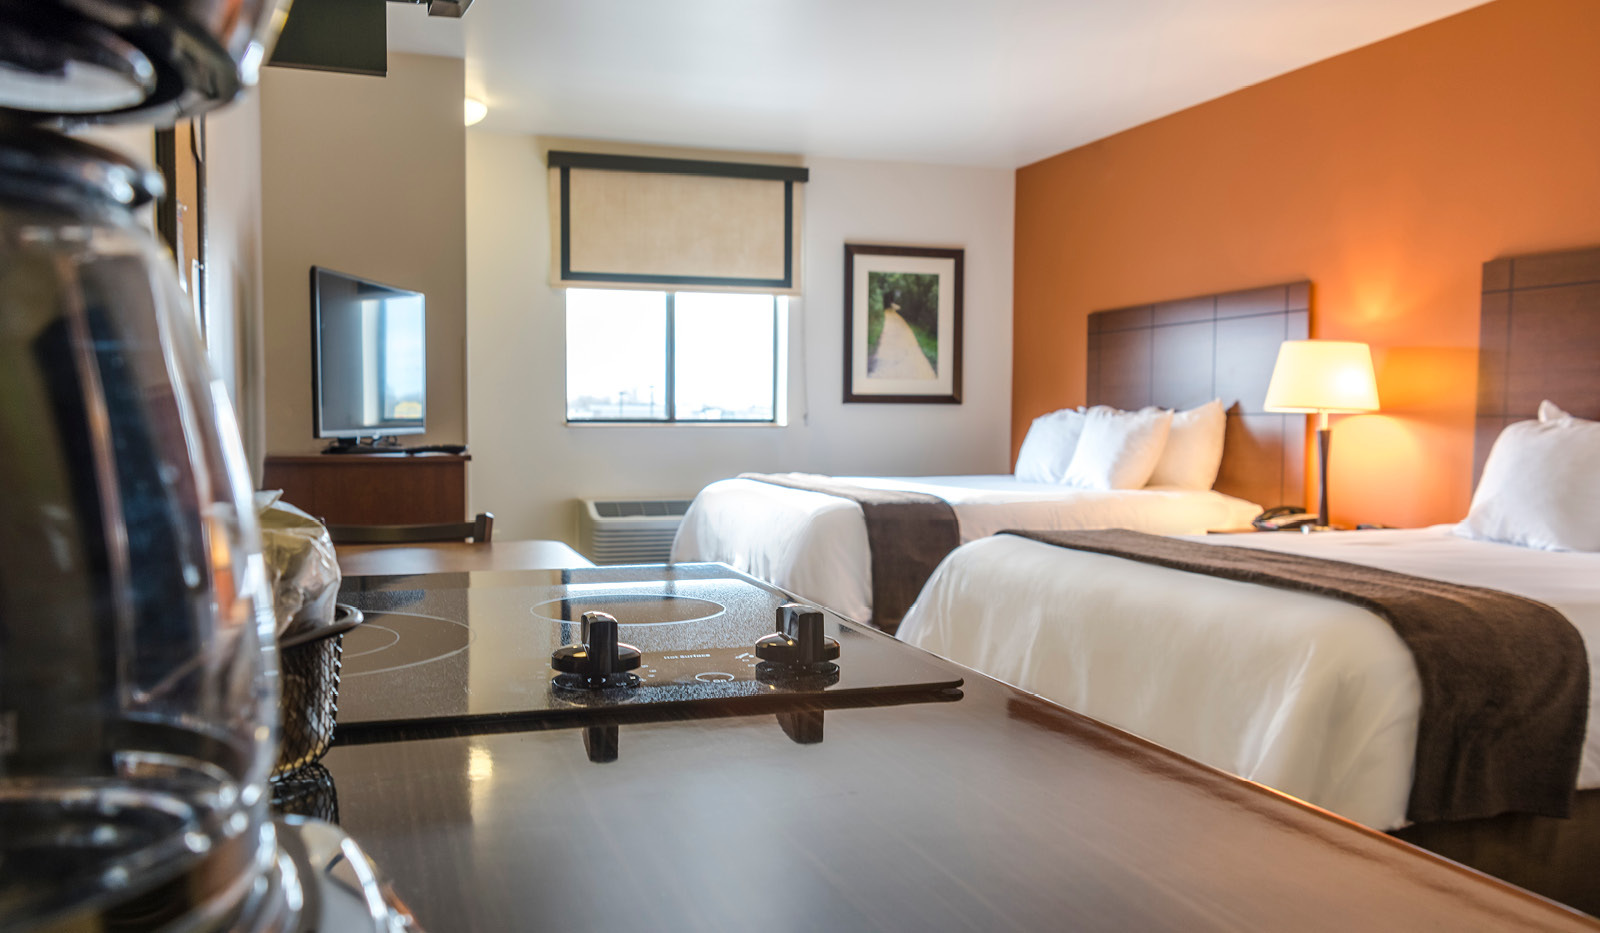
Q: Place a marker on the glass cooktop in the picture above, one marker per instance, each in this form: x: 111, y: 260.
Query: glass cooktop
x: 458, y: 648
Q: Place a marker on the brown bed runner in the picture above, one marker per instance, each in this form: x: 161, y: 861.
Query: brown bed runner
x: 908, y: 534
x: 1505, y: 680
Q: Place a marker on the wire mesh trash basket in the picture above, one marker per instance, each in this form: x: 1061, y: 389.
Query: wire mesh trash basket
x: 307, y: 792
x: 308, y: 703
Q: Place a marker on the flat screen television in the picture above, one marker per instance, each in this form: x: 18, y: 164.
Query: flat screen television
x: 368, y: 358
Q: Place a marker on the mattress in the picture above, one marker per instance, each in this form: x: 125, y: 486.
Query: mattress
x: 815, y: 545
x: 1306, y: 694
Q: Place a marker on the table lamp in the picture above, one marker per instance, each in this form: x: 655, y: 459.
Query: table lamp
x: 1323, y: 377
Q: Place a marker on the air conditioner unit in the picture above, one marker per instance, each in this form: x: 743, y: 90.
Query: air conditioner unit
x: 629, y: 531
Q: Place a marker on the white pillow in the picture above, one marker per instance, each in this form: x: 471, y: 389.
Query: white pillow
x: 1540, y: 487
x: 1048, y: 447
x: 1118, y: 449
x: 1193, y: 454
x: 1549, y: 412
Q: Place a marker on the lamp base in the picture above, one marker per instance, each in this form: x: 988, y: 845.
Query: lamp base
x: 1324, y: 440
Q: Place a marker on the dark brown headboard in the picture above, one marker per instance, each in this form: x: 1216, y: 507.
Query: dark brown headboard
x: 1179, y: 354
x: 1539, y: 339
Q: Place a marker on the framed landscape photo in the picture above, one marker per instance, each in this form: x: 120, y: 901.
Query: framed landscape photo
x: 902, y: 324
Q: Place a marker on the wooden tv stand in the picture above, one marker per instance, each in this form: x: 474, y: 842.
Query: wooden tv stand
x: 372, y: 489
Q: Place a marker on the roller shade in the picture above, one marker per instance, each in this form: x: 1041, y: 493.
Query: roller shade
x: 633, y: 222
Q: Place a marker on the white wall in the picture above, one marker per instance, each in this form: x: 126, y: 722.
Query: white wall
x: 528, y: 465
x: 233, y: 263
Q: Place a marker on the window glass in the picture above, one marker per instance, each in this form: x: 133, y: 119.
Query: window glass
x: 616, y: 355
x: 721, y: 363
x: 723, y: 344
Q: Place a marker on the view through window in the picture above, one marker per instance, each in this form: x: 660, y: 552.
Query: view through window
x: 672, y: 356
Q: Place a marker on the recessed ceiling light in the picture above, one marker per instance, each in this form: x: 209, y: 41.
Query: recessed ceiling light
x: 475, y: 111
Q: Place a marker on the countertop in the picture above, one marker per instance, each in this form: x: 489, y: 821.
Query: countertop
x: 989, y: 809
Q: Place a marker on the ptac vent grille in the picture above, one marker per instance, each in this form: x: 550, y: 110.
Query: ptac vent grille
x: 638, y: 508
x: 629, y: 531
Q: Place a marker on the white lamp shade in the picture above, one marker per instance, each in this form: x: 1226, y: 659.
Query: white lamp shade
x: 1323, y: 376
x: 474, y: 111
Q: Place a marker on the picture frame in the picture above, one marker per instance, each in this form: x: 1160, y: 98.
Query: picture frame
x: 180, y: 214
x: 903, y: 324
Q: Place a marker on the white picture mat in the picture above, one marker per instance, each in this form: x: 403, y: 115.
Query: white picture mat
x: 944, y: 381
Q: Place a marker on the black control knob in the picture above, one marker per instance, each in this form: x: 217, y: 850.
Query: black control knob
x: 601, y: 661
x: 799, y: 643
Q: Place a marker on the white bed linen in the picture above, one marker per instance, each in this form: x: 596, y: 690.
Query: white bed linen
x: 1306, y: 694
x: 815, y: 545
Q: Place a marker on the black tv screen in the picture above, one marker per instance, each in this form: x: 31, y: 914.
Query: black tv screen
x: 369, y: 359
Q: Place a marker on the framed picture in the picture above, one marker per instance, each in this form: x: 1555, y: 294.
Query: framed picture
x: 902, y: 324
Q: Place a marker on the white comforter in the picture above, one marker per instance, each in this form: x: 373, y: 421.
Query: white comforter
x: 815, y: 545
x: 1306, y: 694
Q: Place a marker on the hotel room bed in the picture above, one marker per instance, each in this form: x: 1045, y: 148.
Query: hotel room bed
x: 1175, y: 354
x: 1316, y: 697
x: 815, y: 544
x: 1309, y: 695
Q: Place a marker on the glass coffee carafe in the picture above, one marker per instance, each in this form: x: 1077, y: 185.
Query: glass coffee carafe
x: 138, y: 668
x: 136, y: 674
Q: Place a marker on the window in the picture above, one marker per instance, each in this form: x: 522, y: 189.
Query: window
x: 673, y: 356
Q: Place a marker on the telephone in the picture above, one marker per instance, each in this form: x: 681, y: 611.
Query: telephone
x: 1283, y: 517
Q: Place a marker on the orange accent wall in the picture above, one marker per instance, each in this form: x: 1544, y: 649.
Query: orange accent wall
x: 1387, y: 176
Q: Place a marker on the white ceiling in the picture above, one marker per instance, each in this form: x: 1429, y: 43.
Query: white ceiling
x: 973, y: 82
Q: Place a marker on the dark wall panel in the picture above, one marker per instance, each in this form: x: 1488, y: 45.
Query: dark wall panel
x: 1125, y: 368
x: 1183, y: 364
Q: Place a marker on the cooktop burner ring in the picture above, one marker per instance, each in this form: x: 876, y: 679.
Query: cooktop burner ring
x: 437, y: 638
x: 631, y: 609
x: 393, y: 639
